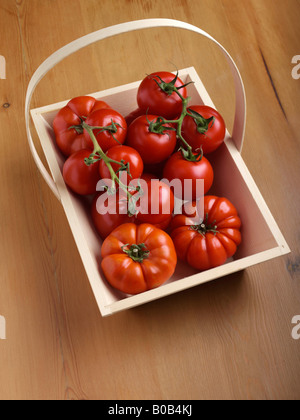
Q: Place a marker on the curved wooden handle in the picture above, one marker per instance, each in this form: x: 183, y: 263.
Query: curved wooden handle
x: 240, y: 112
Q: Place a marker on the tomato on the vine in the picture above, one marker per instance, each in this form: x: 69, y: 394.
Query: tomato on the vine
x: 156, y: 204
x: 177, y: 167
x: 109, y: 212
x: 82, y: 179
x: 157, y: 96
x: 109, y: 128
x: 206, y: 128
x: 68, y: 139
x: 130, y: 159
x: 106, y: 222
x: 138, y: 258
x: 211, y: 240
x: 133, y: 115
x: 154, y: 142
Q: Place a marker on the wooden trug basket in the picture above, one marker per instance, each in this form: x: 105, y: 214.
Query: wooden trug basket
x: 262, y: 239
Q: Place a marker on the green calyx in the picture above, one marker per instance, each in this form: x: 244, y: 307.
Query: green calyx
x: 93, y: 158
x: 138, y: 253
x: 203, y: 124
x: 205, y: 227
x: 169, y: 88
x: 159, y: 126
x: 190, y: 156
x: 112, y: 128
x: 79, y: 127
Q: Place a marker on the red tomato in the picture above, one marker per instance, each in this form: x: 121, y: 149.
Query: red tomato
x: 204, y: 133
x: 157, y: 203
x: 126, y: 154
x: 72, y: 140
x: 164, y: 225
x: 154, y: 148
x: 109, y: 212
x: 213, y: 239
x: 153, y: 99
x: 133, y: 115
x: 179, y: 168
x: 147, y: 176
x: 138, y: 258
x: 82, y: 179
x: 112, y: 129
x: 116, y: 213
x: 156, y: 169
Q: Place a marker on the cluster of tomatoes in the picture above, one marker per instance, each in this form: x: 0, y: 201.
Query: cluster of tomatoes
x: 165, y: 139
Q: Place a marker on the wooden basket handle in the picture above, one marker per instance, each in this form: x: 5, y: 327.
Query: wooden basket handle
x: 240, y: 112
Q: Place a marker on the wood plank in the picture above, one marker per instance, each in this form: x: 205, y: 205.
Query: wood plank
x: 31, y: 361
x: 230, y: 339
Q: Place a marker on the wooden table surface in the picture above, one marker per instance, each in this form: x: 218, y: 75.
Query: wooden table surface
x: 228, y: 339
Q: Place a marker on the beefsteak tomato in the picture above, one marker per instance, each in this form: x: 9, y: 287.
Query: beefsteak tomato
x: 213, y: 239
x: 138, y: 258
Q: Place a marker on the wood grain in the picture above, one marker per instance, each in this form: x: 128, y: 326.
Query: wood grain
x: 230, y: 339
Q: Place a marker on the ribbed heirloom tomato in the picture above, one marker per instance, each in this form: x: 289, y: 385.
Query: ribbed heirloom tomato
x: 71, y: 140
x: 213, y: 239
x: 138, y: 258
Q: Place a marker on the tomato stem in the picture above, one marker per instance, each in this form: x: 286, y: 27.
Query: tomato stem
x: 159, y: 125
x: 169, y: 88
x: 98, y: 152
x: 137, y: 253
x: 205, y: 227
x: 203, y: 124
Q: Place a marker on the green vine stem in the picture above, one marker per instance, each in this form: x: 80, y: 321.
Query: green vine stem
x: 157, y: 126
x: 99, y: 154
x: 202, y: 123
